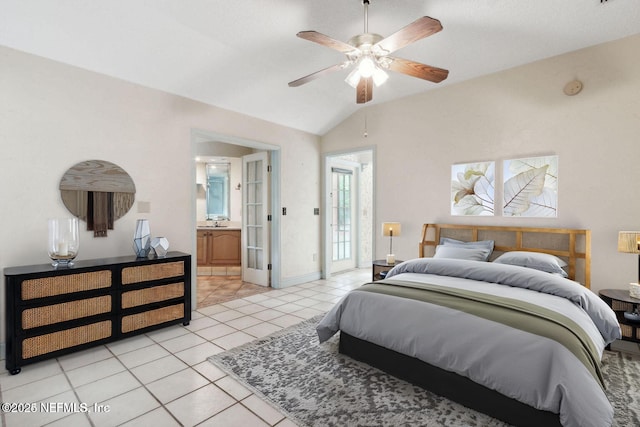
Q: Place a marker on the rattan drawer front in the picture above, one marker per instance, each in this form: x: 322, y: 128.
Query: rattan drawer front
x: 149, y: 295
x: 50, y: 314
x: 58, y: 285
x: 152, y: 317
x: 152, y: 272
x: 43, y: 344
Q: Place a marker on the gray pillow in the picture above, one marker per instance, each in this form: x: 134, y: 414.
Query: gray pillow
x: 536, y: 260
x: 486, y: 244
x: 461, y: 252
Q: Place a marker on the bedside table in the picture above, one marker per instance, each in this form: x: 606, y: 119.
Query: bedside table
x: 380, y: 265
x: 620, y: 301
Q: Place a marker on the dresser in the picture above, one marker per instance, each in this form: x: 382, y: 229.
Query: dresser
x: 54, y: 311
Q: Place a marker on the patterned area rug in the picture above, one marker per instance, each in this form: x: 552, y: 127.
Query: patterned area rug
x: 314, y: 385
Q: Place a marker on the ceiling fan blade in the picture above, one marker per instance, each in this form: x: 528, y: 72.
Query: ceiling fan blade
x: 416, y: 69
x: 317, y: 74
x: 364, y: 91
x: 327, y: 41
x: 418, y: 29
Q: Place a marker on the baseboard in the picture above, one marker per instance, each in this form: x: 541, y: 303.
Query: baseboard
x: 298, y: 280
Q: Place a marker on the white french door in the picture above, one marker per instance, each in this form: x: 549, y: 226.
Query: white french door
x: 343, y: 217
x: 255, y: 225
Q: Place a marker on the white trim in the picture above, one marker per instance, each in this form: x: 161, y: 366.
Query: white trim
x: 298, y: 280
x: 200, y: 136
x: 325, y: 208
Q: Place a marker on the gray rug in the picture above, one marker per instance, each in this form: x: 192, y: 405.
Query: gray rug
x: 314, y: 385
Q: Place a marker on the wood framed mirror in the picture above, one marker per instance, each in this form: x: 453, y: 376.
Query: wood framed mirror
x: 97, y: 192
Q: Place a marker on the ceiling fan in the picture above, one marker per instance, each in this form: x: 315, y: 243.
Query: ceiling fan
x: 370, y: 52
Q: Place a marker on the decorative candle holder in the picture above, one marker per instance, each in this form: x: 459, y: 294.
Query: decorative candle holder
x: 160, y: 246
x: 64, y: 241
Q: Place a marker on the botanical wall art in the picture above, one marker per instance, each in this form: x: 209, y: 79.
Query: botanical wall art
x: 472, y: 188
x: 531, y: 187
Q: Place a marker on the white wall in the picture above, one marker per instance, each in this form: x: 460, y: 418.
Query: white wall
x: 53, y: 116
x: 517, y: 113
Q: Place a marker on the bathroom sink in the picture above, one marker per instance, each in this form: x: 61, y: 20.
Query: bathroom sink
x: 213, y: 226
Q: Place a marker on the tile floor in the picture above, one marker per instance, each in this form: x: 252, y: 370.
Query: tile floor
x: 218, y: 289
x: 163, y: 378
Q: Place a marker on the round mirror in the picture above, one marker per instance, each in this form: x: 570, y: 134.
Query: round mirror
x: 97, y: 192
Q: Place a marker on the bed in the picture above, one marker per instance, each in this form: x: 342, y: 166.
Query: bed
x: 499, y: 319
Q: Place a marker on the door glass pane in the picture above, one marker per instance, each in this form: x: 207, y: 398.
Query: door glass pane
x: 254, y: 217
x: 341, y: 196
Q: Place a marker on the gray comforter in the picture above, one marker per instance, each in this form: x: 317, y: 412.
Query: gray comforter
x: 529, y: 367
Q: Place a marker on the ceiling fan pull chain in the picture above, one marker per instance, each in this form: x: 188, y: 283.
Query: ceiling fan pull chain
x: 366, y: 15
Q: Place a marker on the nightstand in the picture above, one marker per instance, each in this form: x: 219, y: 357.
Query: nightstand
x: 620, y: 301
x: 381, y: 266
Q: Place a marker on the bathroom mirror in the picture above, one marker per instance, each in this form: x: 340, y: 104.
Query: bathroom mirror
x: 97, y: 192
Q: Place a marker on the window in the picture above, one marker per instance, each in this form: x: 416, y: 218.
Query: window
x: 218, y: 191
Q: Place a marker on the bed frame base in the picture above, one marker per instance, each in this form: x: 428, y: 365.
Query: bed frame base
x: 446, y: 384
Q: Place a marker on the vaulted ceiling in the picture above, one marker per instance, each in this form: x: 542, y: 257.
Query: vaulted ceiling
x: 240, y: 54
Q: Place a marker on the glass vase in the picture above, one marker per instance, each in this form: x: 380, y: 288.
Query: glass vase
x: 142, y: 239
x: 64, y: 241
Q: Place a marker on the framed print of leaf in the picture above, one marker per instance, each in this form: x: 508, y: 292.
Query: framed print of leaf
x: 472, y: 189
x: 531, y: 187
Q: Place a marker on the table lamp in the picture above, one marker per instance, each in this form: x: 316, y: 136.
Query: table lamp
x: 391, y: 229
x: 629, y: 242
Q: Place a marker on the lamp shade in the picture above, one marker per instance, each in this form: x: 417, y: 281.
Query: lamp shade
x: 629, y: 242
x: 391, y: 228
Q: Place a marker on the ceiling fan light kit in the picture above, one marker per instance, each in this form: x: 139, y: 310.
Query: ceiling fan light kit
x: 369, y: 54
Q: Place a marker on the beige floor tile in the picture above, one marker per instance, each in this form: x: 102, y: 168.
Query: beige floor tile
x: 244, y: 322
x: 289, y: 307
x: 143, y: 355
x: 130, y: 344
x: 233, y: 340
x: 251, y: 308
x: 124, y: 407
x: 167, y: 333
x: 262, y: 330
x: 268, y: 314
x: 84, y: 357
x: 210, y: 371
x: 37, y: 390
x: 74, y: 420
x: 30, y: 373
x: 204, y: 322
x: 177, y: 385
x: 183, y: 342
x: 215, y: 332
x: 286, y: 320
x: 38, y: 417
x: 235, y: 416
x: 200, y: 405
x: 159, y: 417
x: 159, y: 368
x: 194, y: 355
x: 233, y: 387
x: 95, y: 371
x: 263, y: 409
x: 225, y: 316
x: 108, y: 387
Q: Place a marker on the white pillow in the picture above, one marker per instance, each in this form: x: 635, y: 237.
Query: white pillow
x: 461, y: 252
x: 537, y: 260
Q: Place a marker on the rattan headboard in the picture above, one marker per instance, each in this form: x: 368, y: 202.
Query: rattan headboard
x: 571, y: 245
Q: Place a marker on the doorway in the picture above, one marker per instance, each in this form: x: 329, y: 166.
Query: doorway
x: 348, y: 188
x: 205, y: 143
